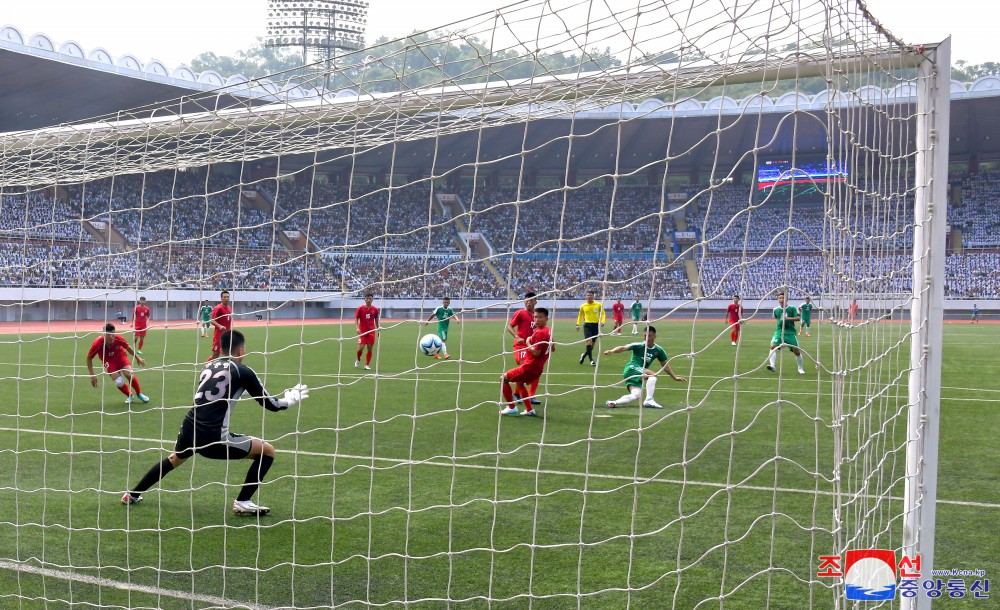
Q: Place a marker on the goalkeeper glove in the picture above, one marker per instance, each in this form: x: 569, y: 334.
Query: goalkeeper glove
x: 292, y: 396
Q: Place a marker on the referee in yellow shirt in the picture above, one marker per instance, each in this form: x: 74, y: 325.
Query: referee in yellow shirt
x: 591, y: 314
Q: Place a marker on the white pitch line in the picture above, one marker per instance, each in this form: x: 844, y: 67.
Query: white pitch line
x: 218, y: 602
x: 613, y: 477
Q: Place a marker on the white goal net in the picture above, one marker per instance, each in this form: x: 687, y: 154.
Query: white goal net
x: 664, y: 156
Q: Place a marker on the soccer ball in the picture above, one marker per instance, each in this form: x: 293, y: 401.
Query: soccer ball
x: 430, y: 345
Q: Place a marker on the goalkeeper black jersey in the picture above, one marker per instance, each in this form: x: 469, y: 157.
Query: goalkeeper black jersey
x: 223, y: 381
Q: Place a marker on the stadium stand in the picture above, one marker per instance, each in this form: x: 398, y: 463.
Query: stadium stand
x: 979, y: 215
x: 366, y: 219
x: 581, y: 220
x: 401, y: 243
x: 38, y: 216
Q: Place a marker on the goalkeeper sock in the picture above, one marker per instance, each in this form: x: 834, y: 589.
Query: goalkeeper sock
x: 368, y: 359
x: 135, y: 384
x: 772, y: 357
x: 157, y: 472
x: 590, y: 352
x: 261, y: 464
x: 635, y: 393
x: 650, y: 387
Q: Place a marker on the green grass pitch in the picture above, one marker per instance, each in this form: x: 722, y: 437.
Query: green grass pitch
x: 408, y: 486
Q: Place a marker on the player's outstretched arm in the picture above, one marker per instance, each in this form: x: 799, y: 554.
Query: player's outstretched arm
x: 615, y: 350
x: 128, y: 348
x: 90, y: 368
x: 292, y: 396
x: 669, y: 371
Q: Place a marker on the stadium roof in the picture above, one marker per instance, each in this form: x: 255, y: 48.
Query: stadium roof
x: 48, y: 84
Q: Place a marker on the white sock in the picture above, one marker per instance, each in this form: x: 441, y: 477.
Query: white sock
x: 444, y: 348
x: 798, y: 360
x: 635, y: 393
x: 773, y: 357
x: 650, y: 387
x: 635, y: 328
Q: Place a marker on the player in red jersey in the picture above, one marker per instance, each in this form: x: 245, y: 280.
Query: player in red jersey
x: 140, y: 320
x: 618, y: 314
x: 366, y: 321
x: 113, y: 350
x: 734, y: 318
x: 221, y: 320
x: 521, y: 325
x: 853, y: 311
x: 536, y: 354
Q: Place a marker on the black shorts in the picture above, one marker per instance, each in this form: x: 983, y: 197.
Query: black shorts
x: 212, y: 446
x: 591, y: 331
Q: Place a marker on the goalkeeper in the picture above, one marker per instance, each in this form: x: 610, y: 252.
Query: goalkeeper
x: 205, y: 429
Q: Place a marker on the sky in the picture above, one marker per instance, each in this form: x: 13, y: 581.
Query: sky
x: 175, y: 31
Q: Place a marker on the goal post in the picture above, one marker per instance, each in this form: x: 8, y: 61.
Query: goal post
x: 927, y: 312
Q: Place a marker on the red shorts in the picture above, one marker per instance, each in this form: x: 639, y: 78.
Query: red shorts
x: 117, y: 364
x: 368, y: 338
x: 524, y: 374
x: 520, y: 350
x: 140, y: 332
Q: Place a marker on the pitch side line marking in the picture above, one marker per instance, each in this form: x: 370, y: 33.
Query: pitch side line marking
x: 218, y: 602
x: 614, y: 477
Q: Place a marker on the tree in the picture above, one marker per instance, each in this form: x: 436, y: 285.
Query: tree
x: 966, y: 72
x: 257, y: 61
x: 419, y: 60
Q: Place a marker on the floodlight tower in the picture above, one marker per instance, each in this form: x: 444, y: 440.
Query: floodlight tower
x: 318, y: 27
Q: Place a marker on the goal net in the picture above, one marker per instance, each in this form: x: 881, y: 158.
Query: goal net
x: 666, y: 157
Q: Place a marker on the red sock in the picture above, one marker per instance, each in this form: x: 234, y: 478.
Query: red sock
x: 508, y: 396
x: 368, y: 359
x: 359, y: 353
x: 141, y: 341
x: 534, y: 386
x: 135, y: 384
x: 124, y: 390
x: 525, y: 397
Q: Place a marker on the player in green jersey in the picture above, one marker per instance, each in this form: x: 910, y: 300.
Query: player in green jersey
x: 784, y: 333
x: 205, y: 314
x: 637, y: 369
x: 806, y: 310
x: 636, y: 315
x: 444, y: 314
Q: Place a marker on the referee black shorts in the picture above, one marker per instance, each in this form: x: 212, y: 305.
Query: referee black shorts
x: 591, y: 331
x: 213, y: 446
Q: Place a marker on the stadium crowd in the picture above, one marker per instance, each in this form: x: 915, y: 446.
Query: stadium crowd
x: 589, y: 221
x: 69, y: 265
x: 365, y: 218
x: 978, y: 216
x: 197, y: 229
x: 751, y: 276
x: 194, y: 210
x: 39, y: 216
